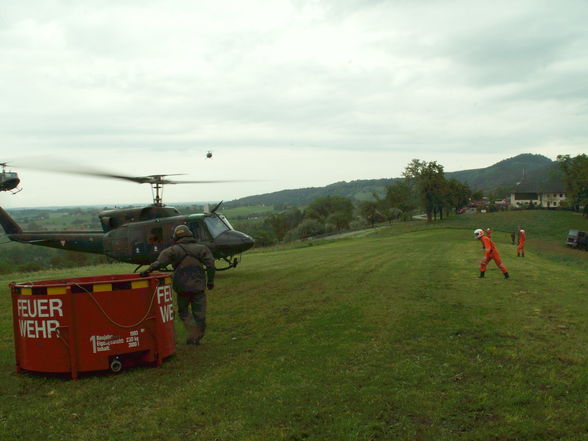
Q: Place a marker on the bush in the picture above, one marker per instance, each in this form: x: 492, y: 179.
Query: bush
x: 359, y: 224
x: 310, y: 227
x: 291, y: 235
x: 330, y: 228
x: 264, y: 239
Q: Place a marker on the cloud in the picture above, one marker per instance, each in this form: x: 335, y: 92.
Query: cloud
x: 367, y: 79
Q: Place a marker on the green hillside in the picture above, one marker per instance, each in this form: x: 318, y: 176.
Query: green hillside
x: 505, y: 173
x: 389, y: 336
x: 357, y: 190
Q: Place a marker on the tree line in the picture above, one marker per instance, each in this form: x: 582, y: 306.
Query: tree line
x: 423, y: 187
x: 575, y: 172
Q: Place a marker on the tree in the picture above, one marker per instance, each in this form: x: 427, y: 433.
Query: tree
x: 478, y: 195
x: 321, y: 208
x: 283, y: 222
x: 576, y: 178
x: 369, y: 211
x: 401, y: 195
x: 430, y: 182
x: 279, y: 225
x: 390, y: 213
x: 459, y: 194
x: 310, y: 227
x: 340, y: 220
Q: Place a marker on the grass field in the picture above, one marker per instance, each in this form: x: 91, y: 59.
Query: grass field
x: 390, y: 336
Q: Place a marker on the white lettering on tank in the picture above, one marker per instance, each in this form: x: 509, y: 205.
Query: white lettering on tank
x: 32, y: 315
x: 55, y: 306
x: 165, y: 302
x: 39, y: 328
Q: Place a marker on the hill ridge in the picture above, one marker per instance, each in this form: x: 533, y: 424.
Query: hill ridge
x: 505, y: 173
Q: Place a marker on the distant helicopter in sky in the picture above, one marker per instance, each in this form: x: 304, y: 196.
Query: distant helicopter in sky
x: 137, y: 235
x: 208, y: 154
x: 8, y: 180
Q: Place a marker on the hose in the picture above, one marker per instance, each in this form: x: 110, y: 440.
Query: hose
x: 109, y: 318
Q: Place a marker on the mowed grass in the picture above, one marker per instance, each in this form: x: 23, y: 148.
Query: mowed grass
x: 386, y: 337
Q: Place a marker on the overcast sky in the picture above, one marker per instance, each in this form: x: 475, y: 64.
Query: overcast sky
x: 292, y: 93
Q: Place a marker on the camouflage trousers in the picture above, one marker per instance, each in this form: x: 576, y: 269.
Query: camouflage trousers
x: 195, y: 325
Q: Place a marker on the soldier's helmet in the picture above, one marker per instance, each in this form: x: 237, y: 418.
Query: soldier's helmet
x: 478, y: 233
x: 182, y: 231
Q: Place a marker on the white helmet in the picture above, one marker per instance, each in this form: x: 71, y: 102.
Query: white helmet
x: 478, y: 233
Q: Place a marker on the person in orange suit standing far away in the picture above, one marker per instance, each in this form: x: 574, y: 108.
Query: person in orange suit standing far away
x: 521, y: 246
x: 490, y: 253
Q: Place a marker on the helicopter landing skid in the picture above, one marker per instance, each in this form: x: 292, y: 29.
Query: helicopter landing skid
x: 232, y: 264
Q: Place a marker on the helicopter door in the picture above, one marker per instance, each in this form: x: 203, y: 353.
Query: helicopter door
x: 139, y: 238
x: 155, y: 240
x: 116, y: 244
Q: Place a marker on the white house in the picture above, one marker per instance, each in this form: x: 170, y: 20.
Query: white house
x: 544, y: 194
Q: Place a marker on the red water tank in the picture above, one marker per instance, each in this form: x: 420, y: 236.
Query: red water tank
x: 92, y: 323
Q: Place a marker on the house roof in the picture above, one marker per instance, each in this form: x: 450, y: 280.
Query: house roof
x: 547, y: 186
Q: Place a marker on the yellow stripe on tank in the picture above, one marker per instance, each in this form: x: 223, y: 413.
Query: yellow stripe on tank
x: 140, y: 284
x: 102, y: 287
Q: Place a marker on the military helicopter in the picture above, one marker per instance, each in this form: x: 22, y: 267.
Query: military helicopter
x: 8, y: 180
x: 137, y: 235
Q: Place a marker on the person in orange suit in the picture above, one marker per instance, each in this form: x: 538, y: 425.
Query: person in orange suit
x: 490, y: 253
x: 521, y: 246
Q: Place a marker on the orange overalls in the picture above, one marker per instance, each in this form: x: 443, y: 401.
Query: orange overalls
x: 490, y: 253
x: 521, y: 246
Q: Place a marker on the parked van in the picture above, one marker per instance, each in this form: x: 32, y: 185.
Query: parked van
x: 577, y: 239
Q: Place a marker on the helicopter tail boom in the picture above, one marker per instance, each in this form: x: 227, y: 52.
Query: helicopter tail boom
x: 10, y: 226
x: 85, y: 241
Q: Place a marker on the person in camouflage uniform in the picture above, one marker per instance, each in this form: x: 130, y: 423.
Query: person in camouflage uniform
x: 188, y: 258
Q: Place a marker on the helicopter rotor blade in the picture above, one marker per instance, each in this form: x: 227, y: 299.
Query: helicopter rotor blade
x: 169, y: 181
x: 216, y: 207
x: 49, y: 164
x: 161, y: 176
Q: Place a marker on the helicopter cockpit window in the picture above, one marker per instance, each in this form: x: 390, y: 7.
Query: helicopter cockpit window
x: 216, y: 226
x: 226, y: 221
x: 198, y: 232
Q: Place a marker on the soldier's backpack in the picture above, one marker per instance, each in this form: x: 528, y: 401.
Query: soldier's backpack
x: 189, y: 276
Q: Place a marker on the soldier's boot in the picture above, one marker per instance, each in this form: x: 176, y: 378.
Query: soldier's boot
x: 506, y: 276
x: 482, y: 274
x: 192, y: 330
